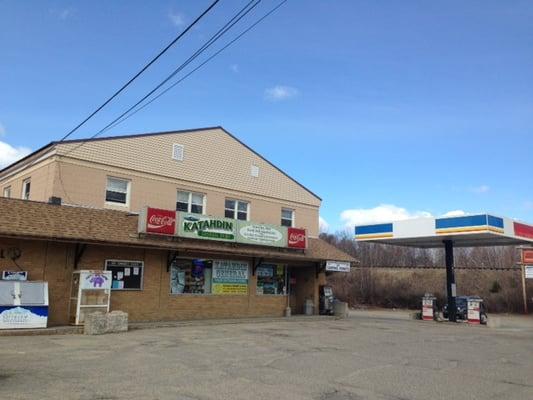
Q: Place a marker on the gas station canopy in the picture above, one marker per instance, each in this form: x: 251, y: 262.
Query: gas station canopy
x: 464, y: 231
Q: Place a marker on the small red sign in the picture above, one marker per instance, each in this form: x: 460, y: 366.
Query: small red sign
x: 159, y: 221
x: 523, y: 230
x: 297, y: 238
x: 527, y: 256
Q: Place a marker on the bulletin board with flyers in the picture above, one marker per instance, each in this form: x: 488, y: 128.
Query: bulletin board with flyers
x: 126, y: 274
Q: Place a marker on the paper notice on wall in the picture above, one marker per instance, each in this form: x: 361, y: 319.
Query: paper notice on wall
x: 120, y: 275
x: 127, y: 271
x: 135, y: 270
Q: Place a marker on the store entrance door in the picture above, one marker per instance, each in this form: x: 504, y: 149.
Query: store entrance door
x: 302, y: 283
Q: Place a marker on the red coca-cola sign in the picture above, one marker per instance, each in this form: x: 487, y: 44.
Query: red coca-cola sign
x: 160, y: 221
x: 297, y: 238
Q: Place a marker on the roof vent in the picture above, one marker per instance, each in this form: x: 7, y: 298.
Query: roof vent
x: 255, y: 171
x: 177, y: 152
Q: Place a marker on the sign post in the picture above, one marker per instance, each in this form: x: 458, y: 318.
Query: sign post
x: 527, y: 258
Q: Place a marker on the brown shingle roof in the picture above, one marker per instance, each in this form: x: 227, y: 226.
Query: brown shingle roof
x: 35, y: 220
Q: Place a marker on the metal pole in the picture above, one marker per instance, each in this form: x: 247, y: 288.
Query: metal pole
x: 450, y: 281
x: 524, y: 294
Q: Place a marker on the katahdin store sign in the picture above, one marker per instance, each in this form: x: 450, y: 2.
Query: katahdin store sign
x: 197, y: 226
x: 230, y: 230
x: 205, y: 227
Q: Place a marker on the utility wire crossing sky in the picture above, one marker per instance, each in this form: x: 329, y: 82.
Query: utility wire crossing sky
x: 386, y: 110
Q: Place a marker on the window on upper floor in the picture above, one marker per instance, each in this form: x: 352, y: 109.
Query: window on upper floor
x: 117, y: 191
x: 287, y: 217
x: 237, y: 209
x: 7, y: 192
x: 190, y: 202
x: 177, y: 152
x: 26, y: 186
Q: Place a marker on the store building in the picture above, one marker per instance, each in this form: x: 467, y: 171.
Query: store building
x: 192, y: 224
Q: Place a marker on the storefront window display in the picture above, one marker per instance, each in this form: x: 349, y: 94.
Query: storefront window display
x: 198, y: 276
x: 271, y: 279
x: 191, y: 276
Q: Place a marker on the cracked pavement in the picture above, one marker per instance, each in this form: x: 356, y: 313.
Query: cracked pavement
x: 367, y: 356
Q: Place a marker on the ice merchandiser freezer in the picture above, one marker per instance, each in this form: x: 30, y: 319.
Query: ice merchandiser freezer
x: 23, y: 304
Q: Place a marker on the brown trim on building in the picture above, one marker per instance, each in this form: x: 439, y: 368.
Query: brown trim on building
x: 43, y: 221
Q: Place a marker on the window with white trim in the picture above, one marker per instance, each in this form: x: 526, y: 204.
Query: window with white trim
x: 117, y: 191
x: 26, y: 187
x: 7, y: 191
x: 177, y: 152
x: 287, y: 217
x: 237, y: 209
x: 190, y: 202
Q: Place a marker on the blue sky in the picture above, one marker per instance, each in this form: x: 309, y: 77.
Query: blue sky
x: 385, y: 109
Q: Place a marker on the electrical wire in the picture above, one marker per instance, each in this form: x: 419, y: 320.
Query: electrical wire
x: 142, y: 70
x: 241, y: 14
x: 119, y: 120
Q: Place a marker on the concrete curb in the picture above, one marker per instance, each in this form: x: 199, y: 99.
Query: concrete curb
x: 78, y: 329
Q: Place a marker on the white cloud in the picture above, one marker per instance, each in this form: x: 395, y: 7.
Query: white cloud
x: 323, y: 225
x: 63, y: 13
x: 454, y: 213
x: 280, y: 92
x: 176, y: 18
x: 480, y: 189
x: 381, y: 213
x: 234, y: 68
x: 10, y: 154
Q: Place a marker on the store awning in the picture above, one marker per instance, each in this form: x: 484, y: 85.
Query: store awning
x: 464, y: 231
x: 42, y: 221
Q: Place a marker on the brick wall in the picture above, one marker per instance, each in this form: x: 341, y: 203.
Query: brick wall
x: 54, y: 263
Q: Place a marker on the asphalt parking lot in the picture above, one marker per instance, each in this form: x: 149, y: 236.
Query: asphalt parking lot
x: 368, y: 356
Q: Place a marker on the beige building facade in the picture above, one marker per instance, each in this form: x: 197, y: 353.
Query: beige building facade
x: 131, y: 172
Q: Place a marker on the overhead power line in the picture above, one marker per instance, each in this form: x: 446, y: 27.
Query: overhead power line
x: 234, y: 20
x: 142, y: 70
x: 124, y: 117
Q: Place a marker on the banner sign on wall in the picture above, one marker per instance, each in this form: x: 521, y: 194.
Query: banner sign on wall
x: 230, y: 277
x: 261, y: 234
x: 206, y: 227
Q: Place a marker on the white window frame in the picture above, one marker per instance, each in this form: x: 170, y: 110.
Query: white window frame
x: 189, y: 202
x: 293, y: 216
x: 7, y: 190
x: 236, y: 210
x: 25, y: 184
x: 128, y: 192
x: 182, y: 147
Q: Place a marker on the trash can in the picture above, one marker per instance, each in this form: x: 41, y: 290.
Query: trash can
x: 474, y: 310
x: 429, y: 307
x: 309, y: 307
